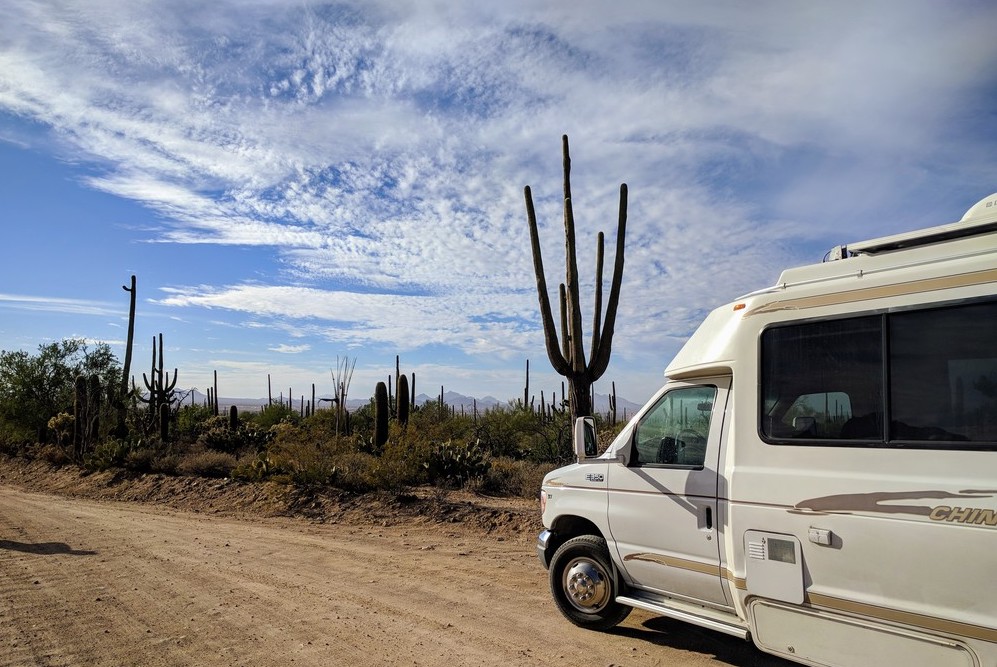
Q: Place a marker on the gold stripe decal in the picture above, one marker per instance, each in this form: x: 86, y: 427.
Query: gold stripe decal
x: 681, y: 563
x: 884, y: 291
x: 956, y: 628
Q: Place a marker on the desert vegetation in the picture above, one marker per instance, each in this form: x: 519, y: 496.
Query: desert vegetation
x: 73, y: 403
x: 64, y: 405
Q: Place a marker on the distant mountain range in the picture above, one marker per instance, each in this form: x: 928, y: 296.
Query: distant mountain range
x: 451, y: 398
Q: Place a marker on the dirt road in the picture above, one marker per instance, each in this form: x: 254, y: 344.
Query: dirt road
x: 85, y: 582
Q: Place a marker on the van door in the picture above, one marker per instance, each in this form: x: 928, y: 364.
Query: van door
x: 663, y: 505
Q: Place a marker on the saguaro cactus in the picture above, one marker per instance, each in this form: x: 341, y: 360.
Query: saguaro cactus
x: 567, y: 356
x: 381, y: 414
x: 159, y: 384
x: 121, y: 429
x: 403, y: 400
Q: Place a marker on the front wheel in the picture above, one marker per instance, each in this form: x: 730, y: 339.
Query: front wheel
x: 582, y: 581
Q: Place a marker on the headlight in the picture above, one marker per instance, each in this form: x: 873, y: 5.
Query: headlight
x: 543, y: 501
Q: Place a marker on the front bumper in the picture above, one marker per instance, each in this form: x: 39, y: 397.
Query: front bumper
x: 543, y: 541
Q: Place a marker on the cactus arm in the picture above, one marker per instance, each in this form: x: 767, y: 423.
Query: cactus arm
x: 557, y: 359
x: 601, y: 362
x: 597, y: 318
x: 575, y: 340
x: 148, y: 385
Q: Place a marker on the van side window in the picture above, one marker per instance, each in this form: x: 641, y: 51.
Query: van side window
x: 918, y: 378
x: 943, y: 374
x: 675, y: 430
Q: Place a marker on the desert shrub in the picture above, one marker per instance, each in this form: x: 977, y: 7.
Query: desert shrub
x: 221, y: 439
x: 323, y: 421
x: 56, y: 455
x: 453, y: 464
x: 167, y: 463
x: 395, y: 475
x: 207, y: 464
x: 512, y: 477
x: 260, y: 466
x: 255, y: 439
x: 552, y: 443
x: 217, y: 435
x: 307, y: 465
x: 141, y: 459
x: 507, y: 431
x: 14, y: 438
x: 273, y: 414
x: 193, y: 420
x: 108, y: 454
x: 362, y: 419
x: 606, y: 432
x: 355, y: 471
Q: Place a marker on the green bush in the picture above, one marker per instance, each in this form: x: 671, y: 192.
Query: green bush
x: 273, y: 414
x: 193, y: 420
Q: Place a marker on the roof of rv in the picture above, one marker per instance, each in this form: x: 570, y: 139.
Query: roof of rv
x: 981, y: 218
x: 978, y: 222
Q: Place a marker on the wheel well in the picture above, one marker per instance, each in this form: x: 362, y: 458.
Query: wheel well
x: 566, y: 527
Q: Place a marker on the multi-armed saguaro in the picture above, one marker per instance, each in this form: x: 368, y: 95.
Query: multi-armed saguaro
x: 161, y: 390
x: 567, y: 356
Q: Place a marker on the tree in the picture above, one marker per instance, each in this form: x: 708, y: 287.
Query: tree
x: 568, y: 357
x: 35, y: 388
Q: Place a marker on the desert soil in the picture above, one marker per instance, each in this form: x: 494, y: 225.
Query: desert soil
x: 113, y: 569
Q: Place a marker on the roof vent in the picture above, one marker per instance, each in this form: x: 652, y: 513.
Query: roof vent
x: 987, y: 205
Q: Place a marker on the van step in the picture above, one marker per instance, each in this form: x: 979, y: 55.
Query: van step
x: 725, y: 623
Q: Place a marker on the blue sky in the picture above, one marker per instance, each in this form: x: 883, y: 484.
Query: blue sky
x: 297, y: 182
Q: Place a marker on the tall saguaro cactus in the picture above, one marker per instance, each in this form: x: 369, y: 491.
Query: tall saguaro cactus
x: 567, y: 355
x: 121, y: 430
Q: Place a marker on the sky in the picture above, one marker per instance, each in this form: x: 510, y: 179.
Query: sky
x: 299, y: 183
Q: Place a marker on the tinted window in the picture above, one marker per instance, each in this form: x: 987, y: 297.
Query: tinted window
x: 818, y: 377
x: 943, y: 366
x: 924, y: 378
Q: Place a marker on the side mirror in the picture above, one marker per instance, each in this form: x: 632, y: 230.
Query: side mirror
x: 585, y: 441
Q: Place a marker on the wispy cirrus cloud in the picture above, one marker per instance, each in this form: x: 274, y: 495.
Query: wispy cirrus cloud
x: 379, y: 149
x: 57, y: 305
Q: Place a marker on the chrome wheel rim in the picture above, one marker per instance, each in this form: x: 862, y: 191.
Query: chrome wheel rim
x: 586, y: 585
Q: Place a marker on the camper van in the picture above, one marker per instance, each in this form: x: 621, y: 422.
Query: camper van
x: 819, y: 471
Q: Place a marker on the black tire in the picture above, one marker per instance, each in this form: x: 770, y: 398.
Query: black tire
x: 584, y: 584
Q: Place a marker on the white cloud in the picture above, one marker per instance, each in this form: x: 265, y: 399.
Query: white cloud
x: 283, y: 348
x: 380, y: 148
x: 57, y: 305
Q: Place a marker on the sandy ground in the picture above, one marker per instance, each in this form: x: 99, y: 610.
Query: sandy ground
x: 91, y: 581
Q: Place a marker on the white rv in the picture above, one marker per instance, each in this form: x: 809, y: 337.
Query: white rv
x: 819, y: 471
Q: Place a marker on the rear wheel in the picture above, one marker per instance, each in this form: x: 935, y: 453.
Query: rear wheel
x: 583, y: 584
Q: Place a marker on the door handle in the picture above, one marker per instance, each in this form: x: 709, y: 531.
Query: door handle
x: 709, y: 518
